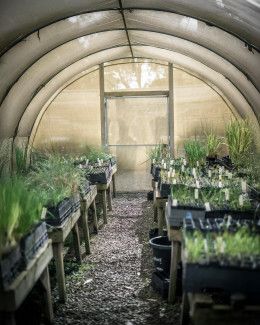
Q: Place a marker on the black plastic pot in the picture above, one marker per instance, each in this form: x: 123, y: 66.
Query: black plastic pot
x: 165, y: 190
x: 33, y: 241
x: 154, y: 232
x: 11, y: 265
x: 150, y: 196
x: 161, y: 253
x: 56, y: 215
x: 156, y: 172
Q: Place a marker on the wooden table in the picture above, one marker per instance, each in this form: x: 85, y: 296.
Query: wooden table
x: 58, y: 235
x: 105, y: 190
x: 175, y: 236
x: 88, y: 201
x: 37, y: 269
x: 159, y: 204
x: 113, y: 172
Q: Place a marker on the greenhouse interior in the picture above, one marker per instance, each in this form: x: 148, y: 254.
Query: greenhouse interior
x: 130, y: 162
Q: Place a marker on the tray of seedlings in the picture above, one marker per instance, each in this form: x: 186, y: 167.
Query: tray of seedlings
x: 98, y: 174
x: 221, y: 255
x: 22, y: 233
x: 58, y: 213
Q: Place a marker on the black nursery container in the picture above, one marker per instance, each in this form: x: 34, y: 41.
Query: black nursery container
x: 161, y: 253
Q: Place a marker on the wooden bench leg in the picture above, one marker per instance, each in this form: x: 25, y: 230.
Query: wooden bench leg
x: 160, y: 220
x: 175, y: 256
x: 93, y: 204
x: 185, y: 308
x: 76, y: 242
x: 109, y: 198
x: 84, y: 219
x: 58, y: 256
x: 104, y: 203
x: 45, y: 280
x: 114, y: 185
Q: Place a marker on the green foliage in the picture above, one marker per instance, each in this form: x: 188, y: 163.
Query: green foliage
x: 19, y: 210
x: 159, y: 152
x: 213, y: 143
x: 20, y: 161
x: 195, y: 151
x: 54, y: 178
x: 240, y: 142
x: 93, y: 154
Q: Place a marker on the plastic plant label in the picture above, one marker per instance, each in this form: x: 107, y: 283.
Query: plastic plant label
x: 171, y: 162
x: 153, y: 161
x: 207, y: 206
x: 220, y: 177
x: 241, y: 200
x: 196, y: 194
x: 184, y: 162
x: 174, y: 181
x: 162, y: 162
x: 99, y: 163
x: 170, y: 169
x: 227, y: 196
x: 182, y: 168
x: 194, y: 172
x: 87, y: 161
x: 197, y: 184
x: 164, y: 165
x: 174, y: 203
x: 209, y: 173
x: 230, y: 175
x: 173, y: 172
x: 198, y: 164
x: 169, y: 174
x: 220, y: 185
x: 244, y: 186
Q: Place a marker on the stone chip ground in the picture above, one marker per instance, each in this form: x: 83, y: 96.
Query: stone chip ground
x: 113, y: 284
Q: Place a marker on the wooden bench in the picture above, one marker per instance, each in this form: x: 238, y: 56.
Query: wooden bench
x: 37, y: 269
x: 113, y: 173
x: 105, y: 190
x: 159, y: 204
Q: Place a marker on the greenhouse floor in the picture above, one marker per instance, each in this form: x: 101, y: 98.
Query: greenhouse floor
x: 113, y: 284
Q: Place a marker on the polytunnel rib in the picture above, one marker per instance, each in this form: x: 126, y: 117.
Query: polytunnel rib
x: 126, y: 30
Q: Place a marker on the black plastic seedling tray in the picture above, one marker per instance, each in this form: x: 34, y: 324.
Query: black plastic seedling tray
x: 165, y: 190
x: 11, y: 265
x: 156, y: 172
x: 56, y: 215
x: 200, y: 278
x: 176, y: 215
x: 33, y: 241
x: 101, y: 177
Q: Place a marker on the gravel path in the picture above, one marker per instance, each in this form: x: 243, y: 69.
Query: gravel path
x: 113, y: 284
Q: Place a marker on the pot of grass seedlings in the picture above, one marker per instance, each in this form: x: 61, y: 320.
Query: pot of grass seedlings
x: 182, y: 201
x: 239, y: 139
x: 21, y: 231
x: 213, y: 144
x: 195, y: 151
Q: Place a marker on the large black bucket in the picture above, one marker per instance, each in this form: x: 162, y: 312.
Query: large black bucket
x: 161, y: 253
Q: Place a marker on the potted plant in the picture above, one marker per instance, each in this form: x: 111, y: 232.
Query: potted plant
x: 213, y: 143
x: 195, y: 151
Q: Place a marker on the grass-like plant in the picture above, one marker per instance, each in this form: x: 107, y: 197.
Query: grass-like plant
x: 54, y: 179
x: 20, y: 208
x: 195, y: 151
x: 213, y: 143
x: 159, y: 152
x: 239, y: 141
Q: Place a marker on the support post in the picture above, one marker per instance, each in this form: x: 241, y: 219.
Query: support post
x: 58, y: 256
x: 102, y: 105
x: 171, y: 108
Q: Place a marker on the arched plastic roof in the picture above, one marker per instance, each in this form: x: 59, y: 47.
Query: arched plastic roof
x: 44, y: 44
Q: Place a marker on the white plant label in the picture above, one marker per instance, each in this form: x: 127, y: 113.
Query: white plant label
x: 197, y: 184
x: 99, y: 163
x: 209, y: 173
x: 153, y: 161
x: 182, y: 168
x: 174, y: 181
x: 171, y: 162
x: 220, y: 177
x: 194, y: 172
x: 227, y: 196
x: 207, y: 206
x: 87, y: 161
x: 174, y: 203
x: 220, y: 184
x: 173, y: 172
x: 196, y: 194
x: 198, y: 164
x: 184, y: 162
x: 170, y: 169
x: 244, y: 186
x: 169, y: 174
x: 164, y: 165
x: 241, y: 200
x: 162, y: 161
x: 230, y: 175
